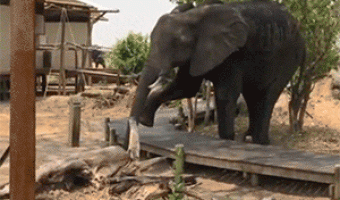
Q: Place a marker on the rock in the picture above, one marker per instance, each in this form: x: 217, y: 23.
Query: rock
x: 336, y: 80
x: 336, y: 94
x: 268, y: 198
x: 121, y: 89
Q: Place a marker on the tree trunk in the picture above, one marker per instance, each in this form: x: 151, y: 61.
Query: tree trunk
x: 191, y: 118
x: 298, y: 106
x: 207, y: 97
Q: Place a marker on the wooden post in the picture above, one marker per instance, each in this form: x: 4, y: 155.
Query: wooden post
x: 133, y: 139
x: 254, y: 179
x: 336, y: 189
x: 107, y: 129
x: 89, y: 40
x: 62, y: 78
x: 191, y: 117
x: 22, y: 102
x: 207, y: 96
x: 74, y: 125
x: 113, y: 138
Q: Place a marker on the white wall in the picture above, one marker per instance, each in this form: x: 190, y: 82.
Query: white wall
x: 4, y: 39
x: 75, y: 33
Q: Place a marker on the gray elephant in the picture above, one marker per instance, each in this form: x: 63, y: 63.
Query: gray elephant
x: 253, y: 48
x: 98, y: 57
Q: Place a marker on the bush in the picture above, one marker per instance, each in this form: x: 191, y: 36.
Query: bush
x: 129, y: 54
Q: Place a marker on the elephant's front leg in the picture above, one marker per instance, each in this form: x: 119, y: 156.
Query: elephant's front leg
x: 226, y: 109
x: 183, y: 86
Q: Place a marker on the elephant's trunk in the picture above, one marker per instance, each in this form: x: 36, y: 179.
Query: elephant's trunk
x: 149, y: 76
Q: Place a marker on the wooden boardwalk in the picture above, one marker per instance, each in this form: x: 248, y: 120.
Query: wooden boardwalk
x: 250, y: 158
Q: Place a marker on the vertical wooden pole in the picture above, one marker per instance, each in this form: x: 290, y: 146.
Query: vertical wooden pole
x: 62, y: 78
x: 89, y: 39
x: 133, y: 139
x: 336, y: 189
x: 74, y: 125
x: 207, y: 96
x: 89, y: 44
x: 107, y: 129
x: 22, y: 109
x: 191, y: 118
x: 113, y: 138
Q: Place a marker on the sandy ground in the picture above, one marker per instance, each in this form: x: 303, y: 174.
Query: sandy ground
x: 52, y: 128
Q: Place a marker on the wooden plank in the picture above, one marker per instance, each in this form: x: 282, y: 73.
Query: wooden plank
x: 252, y: 158
x: 22, y: 103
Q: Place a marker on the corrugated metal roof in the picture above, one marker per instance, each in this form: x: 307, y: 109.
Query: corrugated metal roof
x: 77, y: 9
x: 75, y: 3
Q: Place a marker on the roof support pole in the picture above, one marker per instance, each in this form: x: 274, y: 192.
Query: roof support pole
x: 62, y: 76
x: 22, y: 100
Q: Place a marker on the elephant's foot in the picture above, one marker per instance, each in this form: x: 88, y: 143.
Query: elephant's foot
x: 227, y: 136
x: 261, y: 139
x: 247, y: 137
x: 262, y: 142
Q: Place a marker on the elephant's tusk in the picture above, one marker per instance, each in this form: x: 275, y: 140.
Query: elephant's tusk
x: 160, y: 83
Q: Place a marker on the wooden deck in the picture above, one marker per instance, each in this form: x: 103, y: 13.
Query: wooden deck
x: 251, y: 158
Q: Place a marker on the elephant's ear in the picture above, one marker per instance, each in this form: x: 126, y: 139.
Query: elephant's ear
x: 219, y: 35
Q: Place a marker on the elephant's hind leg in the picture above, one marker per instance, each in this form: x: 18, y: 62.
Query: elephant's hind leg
x: 260, y: 106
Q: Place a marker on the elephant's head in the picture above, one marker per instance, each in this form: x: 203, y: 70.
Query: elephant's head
x: 201, y: 38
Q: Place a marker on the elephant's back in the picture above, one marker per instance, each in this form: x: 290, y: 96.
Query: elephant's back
x: 270, y: 25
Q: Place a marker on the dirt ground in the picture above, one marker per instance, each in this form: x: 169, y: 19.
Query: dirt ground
x: 321, y: 135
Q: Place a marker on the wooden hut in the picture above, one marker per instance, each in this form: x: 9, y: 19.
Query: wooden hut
x: 63, y: 36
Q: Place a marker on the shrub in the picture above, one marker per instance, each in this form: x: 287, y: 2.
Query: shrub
x: 129, y: 54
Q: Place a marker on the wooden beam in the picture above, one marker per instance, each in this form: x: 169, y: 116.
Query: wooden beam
x: 22, y: 102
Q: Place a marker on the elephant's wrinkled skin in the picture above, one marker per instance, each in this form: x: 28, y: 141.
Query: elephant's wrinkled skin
x: 252, y: 48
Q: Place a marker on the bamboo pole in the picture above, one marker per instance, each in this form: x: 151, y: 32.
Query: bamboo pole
x: 22, y: 109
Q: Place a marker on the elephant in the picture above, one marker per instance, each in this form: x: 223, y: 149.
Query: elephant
x: 250, y: 48
x: 98, y: 57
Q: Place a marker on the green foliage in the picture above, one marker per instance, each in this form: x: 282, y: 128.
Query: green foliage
x: 319, y: 22
x: 321, y: 27
x: 129, y: 54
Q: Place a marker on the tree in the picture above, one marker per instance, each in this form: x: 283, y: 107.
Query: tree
x: 320, y: 27
x: 129, y: 54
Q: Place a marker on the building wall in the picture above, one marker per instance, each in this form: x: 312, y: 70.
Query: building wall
x: 76, y: 32
x: 4, y: 39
